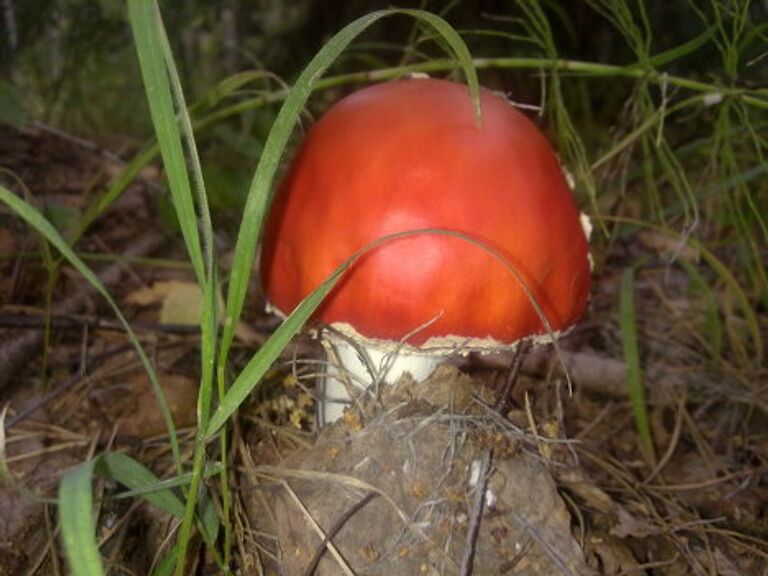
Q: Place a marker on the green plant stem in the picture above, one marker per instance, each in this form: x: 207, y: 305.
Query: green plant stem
x: 563, y: 65
x: 53, y: 267
x: 224, y: 475
x: 442, y: 65
x: 757, y: 98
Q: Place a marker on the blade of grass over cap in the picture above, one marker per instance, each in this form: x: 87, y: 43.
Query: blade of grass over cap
x: 251, y: 375
x: 260, y: 192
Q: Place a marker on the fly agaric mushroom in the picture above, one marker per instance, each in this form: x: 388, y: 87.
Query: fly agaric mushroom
x: 410, y: 155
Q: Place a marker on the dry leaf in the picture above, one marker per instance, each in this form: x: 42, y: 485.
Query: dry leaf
x: 182, y: 302
x: 142, y: 418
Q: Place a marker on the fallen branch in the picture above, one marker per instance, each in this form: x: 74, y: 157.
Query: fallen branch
x: 590, y: 371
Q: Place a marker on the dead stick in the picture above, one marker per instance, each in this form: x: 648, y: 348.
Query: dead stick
x: 37, y: 322
x: 592, y: 372
x: 338, y: 525
x: 468, y: 559
x: 504, y: 401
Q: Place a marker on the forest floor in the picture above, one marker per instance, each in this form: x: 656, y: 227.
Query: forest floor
x: 697, y: 505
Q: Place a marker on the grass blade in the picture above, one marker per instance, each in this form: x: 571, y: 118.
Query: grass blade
x: 143, y: 18
x: 165, y: 485
x: 138, y: 478
x: 163, y: 88
x: 172, y: 150
x: 628, y: 322
x: 78, y: 530
x: 678, y: 52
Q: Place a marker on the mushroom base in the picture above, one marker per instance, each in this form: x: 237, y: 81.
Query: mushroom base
x: 410, y: 466
x: 355, y: 369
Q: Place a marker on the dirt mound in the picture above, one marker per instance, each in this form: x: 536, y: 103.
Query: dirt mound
x: 424, y: 482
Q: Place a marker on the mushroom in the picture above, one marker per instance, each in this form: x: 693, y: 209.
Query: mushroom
x: 410, y: 155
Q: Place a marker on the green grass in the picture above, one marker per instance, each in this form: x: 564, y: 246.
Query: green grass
x: 629, y: 336
x: 174, y: 131
x: 672, y: 130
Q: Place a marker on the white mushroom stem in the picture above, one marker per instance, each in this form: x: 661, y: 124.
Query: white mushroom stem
x: 357, y: 367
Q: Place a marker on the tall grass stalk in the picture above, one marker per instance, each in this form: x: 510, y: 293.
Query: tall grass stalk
x: 167, y: 103
x: 147, y: 26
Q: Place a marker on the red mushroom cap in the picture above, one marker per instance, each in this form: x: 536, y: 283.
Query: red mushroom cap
x: 409, y: 155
